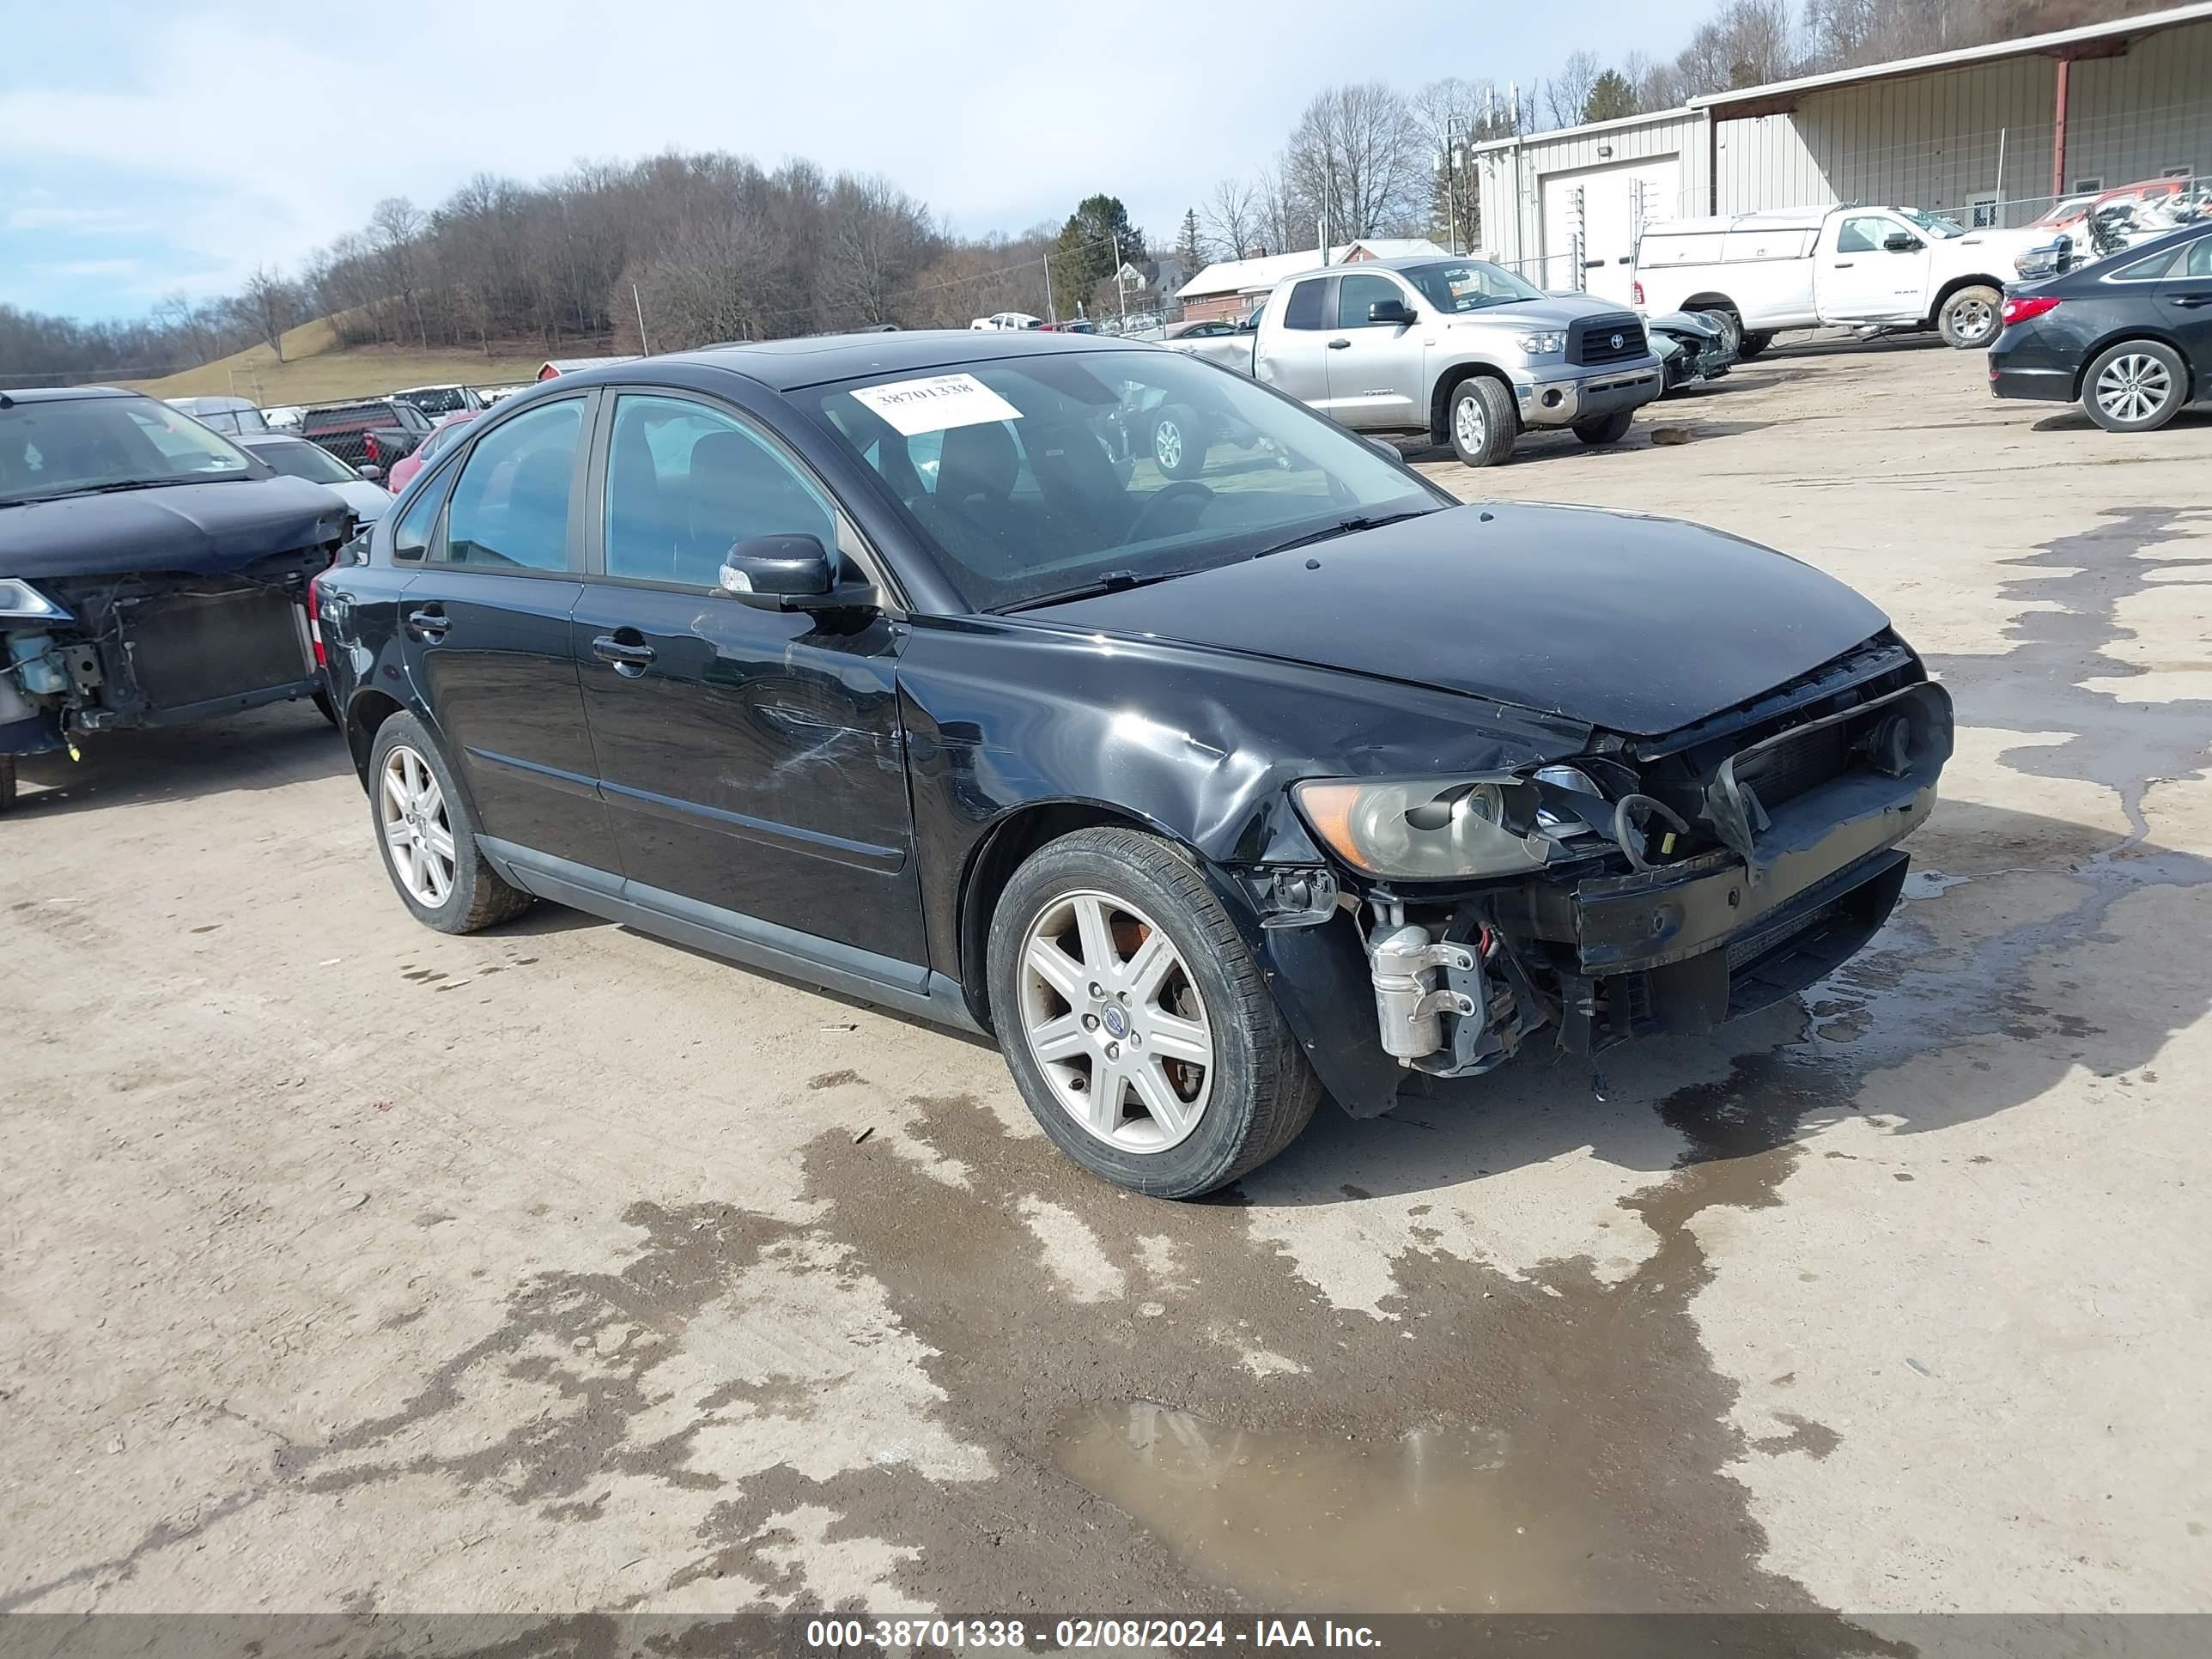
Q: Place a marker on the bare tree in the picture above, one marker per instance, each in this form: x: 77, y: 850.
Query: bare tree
x: 394, y: 226
x: 714, y: 282
x: 1233, y: 217
x: 1356, y: 152
x: 1566, y: 93
x: 1452, y: 114
x: 269, y: 306
x: 878, y: 237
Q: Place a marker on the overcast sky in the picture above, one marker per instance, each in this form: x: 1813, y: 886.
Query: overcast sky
x: 146, y: 148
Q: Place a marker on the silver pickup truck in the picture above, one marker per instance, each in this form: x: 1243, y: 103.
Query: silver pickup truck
x: 1461, y: 350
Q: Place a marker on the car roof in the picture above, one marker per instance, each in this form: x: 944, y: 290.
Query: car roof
x: 55, y: 394
x: 788, y: 364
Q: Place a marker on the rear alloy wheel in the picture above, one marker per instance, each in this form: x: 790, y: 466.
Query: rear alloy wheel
x: 427, y: 837
x: 1606, y: 428
x: 2137, y: 386
x: 1970, y: 319
x: 1483, y: 423
x: 1178, y: 445
x: 1136, y: 1023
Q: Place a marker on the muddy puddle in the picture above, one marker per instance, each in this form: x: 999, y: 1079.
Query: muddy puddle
x: 1440, y: 1519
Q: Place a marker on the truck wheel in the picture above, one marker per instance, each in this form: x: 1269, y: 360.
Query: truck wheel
x: 1483, y: 423
x: 1751, y: 344
x: 1970, y: 319
x: 7, y: 781
x: 427, y: 837
x: 2137, y: 386
x: 1606, y: 428
x: 1178, y: 443
x: 1139, y: 1028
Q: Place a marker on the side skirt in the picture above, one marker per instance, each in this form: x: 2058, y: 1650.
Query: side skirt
x: 904, y: 987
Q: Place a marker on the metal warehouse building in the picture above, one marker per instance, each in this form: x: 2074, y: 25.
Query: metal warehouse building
x: 1991, y: 134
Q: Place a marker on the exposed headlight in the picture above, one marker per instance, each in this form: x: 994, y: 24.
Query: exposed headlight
x: 1536, y: 345
x: 20, y: 602
x: 1430, y: 828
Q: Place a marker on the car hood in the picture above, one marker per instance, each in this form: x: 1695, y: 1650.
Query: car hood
x: 1636, y: 624
x: 202, y: 529
x: 1556, y: 311
x: 369, y: 500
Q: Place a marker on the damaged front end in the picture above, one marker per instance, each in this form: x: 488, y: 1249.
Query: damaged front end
x: 1648, y: 886
x: 82, y: 654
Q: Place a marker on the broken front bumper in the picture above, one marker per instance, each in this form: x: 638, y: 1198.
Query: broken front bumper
x: 1795, y: 890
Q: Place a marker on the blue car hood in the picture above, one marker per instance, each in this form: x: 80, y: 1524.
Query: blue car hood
x: 1636, y: 624
x: 192, y: 528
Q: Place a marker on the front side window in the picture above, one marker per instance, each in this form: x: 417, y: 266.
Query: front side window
x: 2195, y: 261
x: 1469, y: 285
x: 685, y: 481
x: 1302, y: 309
x: 510, y: 507
x: 1863, y: 234
x: 1031, y: 478
x: 1354, y: 293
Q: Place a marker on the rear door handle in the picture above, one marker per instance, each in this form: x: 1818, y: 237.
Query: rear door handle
x: 629, y: 656
x: 430, y: 621
x: 1338, y: 344
x: 1844, y: 264
x: 2187, y: 301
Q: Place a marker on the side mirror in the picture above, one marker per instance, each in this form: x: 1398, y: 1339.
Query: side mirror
x: 789, y: 573
x: 370, y: 470
x: 1900, y: 241
x: 1395, y: 313
x: 1386, y: 449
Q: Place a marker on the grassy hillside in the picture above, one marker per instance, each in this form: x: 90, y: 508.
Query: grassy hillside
x: 316, y: 369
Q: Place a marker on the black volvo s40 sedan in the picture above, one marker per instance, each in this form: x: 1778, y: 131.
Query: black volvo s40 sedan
x: 890, y: 663
x: 2128, y: 337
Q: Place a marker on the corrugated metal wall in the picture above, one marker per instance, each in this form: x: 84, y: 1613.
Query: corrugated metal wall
x: 1934, y: 141
x: 1517, y: 238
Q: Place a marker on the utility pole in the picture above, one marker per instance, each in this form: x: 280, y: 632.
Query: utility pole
x: 1120, y: 289
x: 1451, y: 186
x: 1051, y: 312
x: 644, y: 350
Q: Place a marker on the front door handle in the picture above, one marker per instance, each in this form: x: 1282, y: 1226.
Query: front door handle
x: 430, y: 621
x: 629, y: 656
x: 1338, y: 344
x: 1843, y: 264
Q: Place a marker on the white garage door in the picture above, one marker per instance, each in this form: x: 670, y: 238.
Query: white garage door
x: 1592, y: 218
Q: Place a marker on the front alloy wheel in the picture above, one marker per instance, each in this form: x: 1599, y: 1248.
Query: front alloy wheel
x: 1140, y: 1030
x: 1970, y: 319
x: 1113, y: 1020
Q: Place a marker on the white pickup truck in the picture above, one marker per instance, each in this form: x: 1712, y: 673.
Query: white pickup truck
x: 1856, y: 267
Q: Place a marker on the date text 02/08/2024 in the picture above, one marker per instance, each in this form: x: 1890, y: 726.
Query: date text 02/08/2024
x: 830, y: 1635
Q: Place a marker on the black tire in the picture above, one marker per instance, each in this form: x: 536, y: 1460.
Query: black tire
x: 328, y: 709
x: 1972, y: 318
x: 1606, y: 428
x: 1178, y: 443
x: 1751, y: 344
x: 1260, y: 1093
x: 1731, y: 328
x: 476, y: 896
x: 1486, y: 439
x: 2155, y: 368
x: 7, y: 782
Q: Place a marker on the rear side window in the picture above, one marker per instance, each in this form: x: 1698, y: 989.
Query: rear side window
x: 510, y: 507
x: 684, y: 481
x: 410, y: 533
x: 1302, y: 309
x: 2147, y: 270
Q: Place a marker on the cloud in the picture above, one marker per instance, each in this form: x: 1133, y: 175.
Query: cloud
x: 210, y: 125
x: 92, y: 267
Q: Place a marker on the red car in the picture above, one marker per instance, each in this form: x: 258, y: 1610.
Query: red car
x: 440, y: 437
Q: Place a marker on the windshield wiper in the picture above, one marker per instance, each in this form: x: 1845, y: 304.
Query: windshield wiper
x: 1113, y: 581
x: 1358, y: 521
x: 119, y: 485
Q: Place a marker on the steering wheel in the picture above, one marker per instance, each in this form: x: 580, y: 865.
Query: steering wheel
x: 1182, y: 489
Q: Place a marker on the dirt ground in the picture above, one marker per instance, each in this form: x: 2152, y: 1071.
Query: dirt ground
x: 352, y: 1266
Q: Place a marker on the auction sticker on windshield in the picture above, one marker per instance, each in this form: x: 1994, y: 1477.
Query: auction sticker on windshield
x: 936, y: 404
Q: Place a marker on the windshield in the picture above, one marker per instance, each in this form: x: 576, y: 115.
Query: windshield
x: 1040, y: 476
x: 1468, y: 285
x: 299, y: 459
x: 76, y: 444
x: 436, y: 399
x: 1935, y: 224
